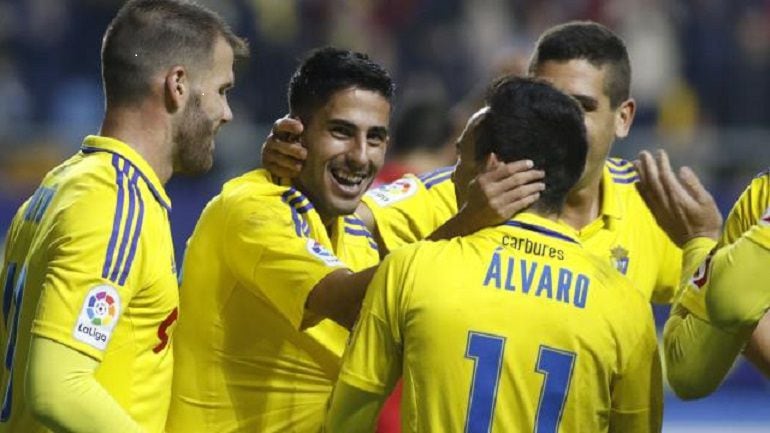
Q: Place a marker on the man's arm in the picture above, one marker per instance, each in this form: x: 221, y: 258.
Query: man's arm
x: 63, y: 393
x: 339, y: 295
x: 698, y: 353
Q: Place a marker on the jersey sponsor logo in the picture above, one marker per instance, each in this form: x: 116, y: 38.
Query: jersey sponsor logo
x: 98, y: 316
x: 619, y: 259
x: 394, y: 192
x: 321, y: 253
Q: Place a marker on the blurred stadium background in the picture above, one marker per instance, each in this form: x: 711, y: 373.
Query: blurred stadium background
x: 701, y: 77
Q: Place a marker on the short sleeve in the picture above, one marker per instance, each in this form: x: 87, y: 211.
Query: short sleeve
x: 670, y: 271
x: 269, y: 254
x: 373, y: 359
x: 92, y: 265
x: 411, y: 208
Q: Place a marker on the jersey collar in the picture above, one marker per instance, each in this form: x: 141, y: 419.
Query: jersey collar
x: 96, y: 143
x: 535, y: 223
x: 612, y: 203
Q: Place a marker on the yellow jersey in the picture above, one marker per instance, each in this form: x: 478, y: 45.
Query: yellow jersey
x: 518, y: 329
x: 243, y: 361
x: 89, y: 264
x: 625, y: 235
x: 748, y: 219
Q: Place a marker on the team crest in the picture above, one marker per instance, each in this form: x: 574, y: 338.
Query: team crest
x: 323, y: 254
x: 394, y: 192
x: 619, y: 259
x: 98, y: 316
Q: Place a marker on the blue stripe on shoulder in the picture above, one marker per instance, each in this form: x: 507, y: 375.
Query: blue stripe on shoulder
x: 116, y: 160
x: 8, y: 291
x: 137, y: 232
x: 127, y: 224
x: 354, y: 221
x: 427, y: 177
x: 631, y: 179
x: 618, y: 162
x: 627, y: 170
x: 437, y: 180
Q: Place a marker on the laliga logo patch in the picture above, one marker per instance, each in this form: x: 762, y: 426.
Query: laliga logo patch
x: 394, y: 192
x: 321, y: 253
x: 98, y: 316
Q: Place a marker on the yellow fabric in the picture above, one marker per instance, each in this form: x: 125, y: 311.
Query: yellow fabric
x: 411, y: 208
x: 89, y: 264
x: 625, y: 235
x: 529, y: 286
x: 242, y: 363
x: 699, y: 352
x: 65, y: 395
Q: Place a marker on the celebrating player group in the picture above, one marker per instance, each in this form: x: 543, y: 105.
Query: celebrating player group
x: 509, y: 292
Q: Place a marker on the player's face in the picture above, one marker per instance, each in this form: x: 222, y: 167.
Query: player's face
x: 586, y: 83
x: 206, y: 111
x: 467, y: 167
x: 346, y: 141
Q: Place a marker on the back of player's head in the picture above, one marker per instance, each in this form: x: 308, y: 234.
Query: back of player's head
x: 147, y: 36
x: 590, y: 41
x: 328, y: 70
x: 530, y: 119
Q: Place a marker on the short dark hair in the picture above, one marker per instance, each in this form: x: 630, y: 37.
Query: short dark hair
x: 148, y: 35
x: 589, y: 41
x: 327, y: 70
x: 529, y: 119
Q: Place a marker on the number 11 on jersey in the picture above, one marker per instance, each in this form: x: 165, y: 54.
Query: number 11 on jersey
x: 486, y: 351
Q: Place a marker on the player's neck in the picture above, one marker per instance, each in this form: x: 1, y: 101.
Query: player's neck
x: 147, y: 135
x: 583, y: 204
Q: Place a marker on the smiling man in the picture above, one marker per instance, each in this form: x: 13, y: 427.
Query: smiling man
x: 269, y: 286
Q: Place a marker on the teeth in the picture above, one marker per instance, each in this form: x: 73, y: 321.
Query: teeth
x: 348, y: 178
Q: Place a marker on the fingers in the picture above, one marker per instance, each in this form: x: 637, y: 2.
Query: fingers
x: 279, y: 164
x: 650, y: 186
x: 693, y: 185
x: 285, y: 138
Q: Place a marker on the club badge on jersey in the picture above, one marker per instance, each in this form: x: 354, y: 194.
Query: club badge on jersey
x: 619, y: 259
x: 98, y: 316
x: 394, y: 192
x: 320, y: 252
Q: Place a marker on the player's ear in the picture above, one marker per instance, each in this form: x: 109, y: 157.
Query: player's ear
x: 176, y: 88
x: 624, y: 117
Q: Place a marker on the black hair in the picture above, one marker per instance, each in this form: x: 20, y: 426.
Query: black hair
x: 327, y: 70
x: 530, y: 119
x: 594, y: 43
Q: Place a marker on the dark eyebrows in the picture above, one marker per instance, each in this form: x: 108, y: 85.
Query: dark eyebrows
x: 588, y: 103
x: 380, y: 131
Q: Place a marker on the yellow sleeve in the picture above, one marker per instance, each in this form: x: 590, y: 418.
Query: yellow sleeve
x: 372, y: 362
x: 411, y: 208
x: 91, y: 271
x: 698, y: 354
x: 637, y: 392
x: 738, y: 292
x: 64, y: 395
x: 268, y: 255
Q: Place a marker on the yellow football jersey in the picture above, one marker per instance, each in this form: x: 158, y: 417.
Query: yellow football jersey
x: 625, y: 234
x: 89, y: 264
x: 518, y: 329
x: 749, y: 218
x: 243, y: 364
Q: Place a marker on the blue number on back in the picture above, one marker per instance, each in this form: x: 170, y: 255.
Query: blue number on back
x: 12, y: 297
x: 556, y: 365
x: 486, y: 350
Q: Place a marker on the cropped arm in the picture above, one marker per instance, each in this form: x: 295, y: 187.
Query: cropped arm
x: 63, y: 393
